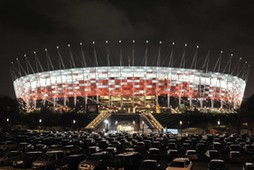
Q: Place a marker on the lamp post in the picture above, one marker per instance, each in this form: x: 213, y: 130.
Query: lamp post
x: 134, y: 124
x: 143, y: 126
x: 40, y: 121
x: 7, y: 123
x: 106, y: 124
x: 116, y: 123
x: 180, y: 123
x: 73, y: 123
x: 218, y: 125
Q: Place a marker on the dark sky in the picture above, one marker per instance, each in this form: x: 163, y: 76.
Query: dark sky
x: 32, y: 25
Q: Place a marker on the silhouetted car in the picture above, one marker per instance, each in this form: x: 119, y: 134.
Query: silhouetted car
x: 235, y: 157
x: 172, y: 154
x: 180, y: 164
x: 149, y: 164
x: 40, y: 147
x: 99, y: 160
x: 154, y: 153
x: 26, y: 160
x: 8, y: 145
x: 48, y: 160
x: 9, y: 156
x: 72, y: 149
x: 216, y: 164
x: 248, y: 166
x: 71, y: 162
x: 211, y: 154
x: 128, y: 160
x: 192, y: 155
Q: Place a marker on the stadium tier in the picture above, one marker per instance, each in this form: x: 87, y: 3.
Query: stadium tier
x: 132, y: 86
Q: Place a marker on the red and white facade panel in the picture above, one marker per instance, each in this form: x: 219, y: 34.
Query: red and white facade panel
x: 130, y: 81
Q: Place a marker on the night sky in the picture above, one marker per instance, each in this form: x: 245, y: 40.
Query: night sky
x: 215, y: 25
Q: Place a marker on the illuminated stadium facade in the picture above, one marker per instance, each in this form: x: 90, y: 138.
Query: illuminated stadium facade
x: 132, y: 87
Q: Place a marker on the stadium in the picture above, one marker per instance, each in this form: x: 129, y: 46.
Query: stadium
x: 129, y: 86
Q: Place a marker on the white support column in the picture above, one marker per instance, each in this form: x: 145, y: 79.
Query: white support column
x: 168, y: 89
x: 145, y: 71
x: 121, y: 104
x: 133, y: 88
x: 75, y: 101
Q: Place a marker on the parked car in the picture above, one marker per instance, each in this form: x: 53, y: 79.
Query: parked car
x: 48, y: 160
x: 128, y: 160
x: 26, y: 160
x: 154, y: 153
x: 150, y: 164
x: 212, y: 154
x: 216, y: 164
x: 191, y: 154
x: 172, y: 154
x: 248, y: 166
x: 99, y: 160
x: 8, y: 157
x: 71, y: 162
x: 180, y: 164
x: 8, y: 145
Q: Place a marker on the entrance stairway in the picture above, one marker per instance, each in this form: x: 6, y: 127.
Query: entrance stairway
x: 97, y: 121
x: 151, y: 122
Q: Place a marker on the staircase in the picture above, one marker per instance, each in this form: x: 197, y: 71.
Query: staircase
x: 97, y: 121
x: 149, y: 119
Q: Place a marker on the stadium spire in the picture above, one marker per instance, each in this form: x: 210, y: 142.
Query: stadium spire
x: 28, y: 65
x: 133, y: 52
x: 38, y: 63
x: 49, y: 61
x: 194, y: 61
x: 21, y: 68
x: 146, y: 51
x: 218, y: 63
x: 206, y: 62
x: 170, y: 62
x: 108, y: 57
x: 72, y: 63
x: 95, y: 55
x: 121, y: 53
x: 83, y: 55
x: 61, y: 63
x: 159, y: 55
x: 182, y: 64
x: 228, y: 65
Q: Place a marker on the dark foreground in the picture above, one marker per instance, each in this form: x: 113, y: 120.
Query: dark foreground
x: 82, y: 150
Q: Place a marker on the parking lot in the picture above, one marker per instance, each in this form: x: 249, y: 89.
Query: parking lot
x: 78, y: 149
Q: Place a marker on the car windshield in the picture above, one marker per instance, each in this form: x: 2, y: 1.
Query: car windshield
x: 177, y: 164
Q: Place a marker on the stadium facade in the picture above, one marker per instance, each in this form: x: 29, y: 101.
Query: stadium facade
x: 132, y: 87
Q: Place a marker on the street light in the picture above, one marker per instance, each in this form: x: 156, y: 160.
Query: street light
x: 40, y: 120
x: 134, y: 124
x: 106, y: 123
x: 7, y: 120
x: 218, y: 125
x: 74, y: 121
x: 180, y: 122
x: 116, y: 122
x: 143, y: 124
